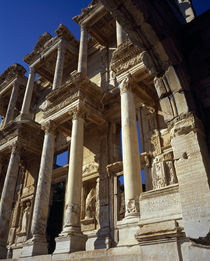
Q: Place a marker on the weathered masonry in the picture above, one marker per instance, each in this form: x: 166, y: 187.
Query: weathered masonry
x: 138, y: 70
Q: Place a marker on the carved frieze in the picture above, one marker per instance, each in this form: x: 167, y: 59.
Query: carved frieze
x: 90, y: 169
x: 126, y: 56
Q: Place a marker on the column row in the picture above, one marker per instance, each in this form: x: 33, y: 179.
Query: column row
x: 57, y: 81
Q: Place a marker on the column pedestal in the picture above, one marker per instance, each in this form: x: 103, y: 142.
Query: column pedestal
x: 37, y: 245
x: 71, y: 238
x: 131, y: 160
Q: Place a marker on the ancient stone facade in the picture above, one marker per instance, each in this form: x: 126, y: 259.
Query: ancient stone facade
x: 138, y: 74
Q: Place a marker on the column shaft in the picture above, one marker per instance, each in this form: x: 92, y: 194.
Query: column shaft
x: 40, y: 214
x: 7, y: 198
x: 71, y: 238
x: 28, y: 93
x: 12, y: 104
x: 73, y: 193
x: 58, y: 68
x: 38, y: 245
x: 120, y: 34
x: 82, y: 60
x: 131, y: 161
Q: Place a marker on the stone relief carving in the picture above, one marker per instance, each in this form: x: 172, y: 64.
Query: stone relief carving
x: 132, y: 206
x: 25, y: 218
x: 170, y: 172
x: 158, y: 177
x: 90, y: 205
x: 90, y: 168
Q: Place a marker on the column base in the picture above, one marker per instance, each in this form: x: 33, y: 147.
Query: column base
x: 23, y: 117
x: 3, y: 252
x: 70, y: 243
x: 36, y: 246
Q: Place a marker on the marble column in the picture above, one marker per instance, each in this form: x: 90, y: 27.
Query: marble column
x: 120, y: 34
x: 38, y: 244
x: 1, y: 170
x: 82, y: 60
x: 59, y: 67
x: 131, y: 160
x: 7, y: 197
x: 71, y: 238
x: 28, y: 93
x: 12, y: 103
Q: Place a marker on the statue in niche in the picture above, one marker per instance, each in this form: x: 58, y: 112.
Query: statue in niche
x: 25, y: 218
x: 90, y: 203
x: 170, y: 172
x: 158, y: 178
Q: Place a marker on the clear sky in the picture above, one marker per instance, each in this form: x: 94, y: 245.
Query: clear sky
x: 23, y: 21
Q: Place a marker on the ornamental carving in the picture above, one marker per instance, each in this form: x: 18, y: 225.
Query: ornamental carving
x: 49, y: 127
x: 90, y: 168
x: 127, y: 55
x: 132, y: 206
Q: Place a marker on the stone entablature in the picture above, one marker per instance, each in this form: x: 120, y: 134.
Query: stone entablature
x: 46, y: 44
x: 79, y: 90
x: 28, y: 134
x: 13, y: 72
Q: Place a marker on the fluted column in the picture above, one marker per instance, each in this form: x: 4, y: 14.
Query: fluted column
x: 28, y: 92
x: 12, y: 103
x: 59, y: 67
x: 82, y: 60
x: 120, y: 34
x: 71, y: 234
x: 7, y: 197
x: 131, y: 161
x: 38, y: 244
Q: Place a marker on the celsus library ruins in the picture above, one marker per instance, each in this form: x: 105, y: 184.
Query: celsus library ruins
x: 138, y: 77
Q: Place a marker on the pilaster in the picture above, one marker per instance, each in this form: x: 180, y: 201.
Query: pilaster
x: 191, y: 163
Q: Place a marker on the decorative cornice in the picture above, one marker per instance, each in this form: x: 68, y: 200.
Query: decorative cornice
x: 46, y: 41
x: 85, y: 11
x: 38, y: 48
x: 125, y: 56
x: 63, y: 32
x: 12, y: 72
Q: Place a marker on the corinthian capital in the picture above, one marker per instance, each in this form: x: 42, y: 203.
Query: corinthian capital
x: 126, y: 84
x: 49, y: 127
x: 77, y: 112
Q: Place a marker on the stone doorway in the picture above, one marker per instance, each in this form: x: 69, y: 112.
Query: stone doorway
x: 55, y: 217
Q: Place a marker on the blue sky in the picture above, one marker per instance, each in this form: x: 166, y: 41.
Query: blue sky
x: 23, y: 21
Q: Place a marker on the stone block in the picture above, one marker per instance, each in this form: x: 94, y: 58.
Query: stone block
x: 160, y: 204
x: 181, y: 103
x: 71, y: 243
x: 173, y: 79
x: 167, y: 109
